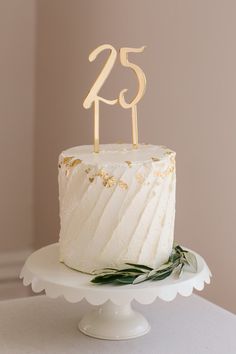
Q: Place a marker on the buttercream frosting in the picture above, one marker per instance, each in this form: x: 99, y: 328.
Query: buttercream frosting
x: 116, y: 206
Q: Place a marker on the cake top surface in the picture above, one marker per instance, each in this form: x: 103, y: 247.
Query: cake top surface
x: 111, y: 154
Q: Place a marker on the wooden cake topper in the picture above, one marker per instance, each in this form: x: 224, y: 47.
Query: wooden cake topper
x: 93, y: 95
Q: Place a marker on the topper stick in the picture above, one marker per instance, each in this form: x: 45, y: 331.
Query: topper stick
x: 135, y: 126
x: 96, y: 126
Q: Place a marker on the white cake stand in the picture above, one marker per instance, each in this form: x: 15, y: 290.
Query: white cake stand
x: 114, y: 318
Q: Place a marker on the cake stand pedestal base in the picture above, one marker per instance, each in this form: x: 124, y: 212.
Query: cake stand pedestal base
x: 114, y: 317
x: 114, y: 322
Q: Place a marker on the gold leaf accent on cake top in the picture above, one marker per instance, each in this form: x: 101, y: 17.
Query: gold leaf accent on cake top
x: 102, y: 173
x: 140, y: 178
x: 87, y: 170
x: 155, y: 159
x: 109, y: 181
x: 165, y: 173
x: 129, y: 163
x: 123, y: 185
x: 75, y: 162
x: 70, y: 161
x: 66, y: 160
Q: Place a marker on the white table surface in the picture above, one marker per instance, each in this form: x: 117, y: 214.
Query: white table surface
x: 184, y: 326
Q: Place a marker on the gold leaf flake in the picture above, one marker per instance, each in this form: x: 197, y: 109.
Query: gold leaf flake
x: 91, y: 179
x: 166, y: 173
x: 75, y: 162
x: 109, y: 182
x: 155, y: 159
x: 102, y: 173
x: 140, y: 178
x: 129, y: 163
x: 123, y: 185
x: 87, y: 170
x: 66, y: 160
x: 168, y: 152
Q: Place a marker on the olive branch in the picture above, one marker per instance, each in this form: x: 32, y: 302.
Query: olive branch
x: 179, y: 261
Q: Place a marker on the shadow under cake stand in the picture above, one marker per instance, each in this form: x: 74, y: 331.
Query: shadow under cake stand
x: 114, y: 317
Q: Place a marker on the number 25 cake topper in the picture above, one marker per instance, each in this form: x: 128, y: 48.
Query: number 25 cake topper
x: 93, y: 97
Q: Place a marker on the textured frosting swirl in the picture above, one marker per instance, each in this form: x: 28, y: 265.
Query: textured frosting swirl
x: 116, y: 206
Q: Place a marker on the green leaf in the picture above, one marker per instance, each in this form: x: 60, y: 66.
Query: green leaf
x: 179, y: 249
x: 161, y: 276
x: 104, y: 271
x: 131, y: 270
x: 142, y: 266
x: 174, y: 256
x: 192, y: 261
x: 104, y: 279
x: 178, y: 271
x: 126, y: 279
x: 141, y: 278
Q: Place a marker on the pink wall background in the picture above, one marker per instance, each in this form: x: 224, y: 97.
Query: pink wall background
x: 190, y: 106
x: 17, y: 84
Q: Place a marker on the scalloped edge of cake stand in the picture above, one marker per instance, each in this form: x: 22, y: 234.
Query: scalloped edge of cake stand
x: 43, y: 271
x: 114, y: 318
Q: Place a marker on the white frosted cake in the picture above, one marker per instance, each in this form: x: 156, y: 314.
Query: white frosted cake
x: 116, y: 206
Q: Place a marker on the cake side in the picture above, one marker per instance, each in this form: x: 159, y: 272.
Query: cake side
x: 117, y: 206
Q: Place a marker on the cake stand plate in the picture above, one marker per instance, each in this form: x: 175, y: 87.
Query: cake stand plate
x: 114, y: 317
